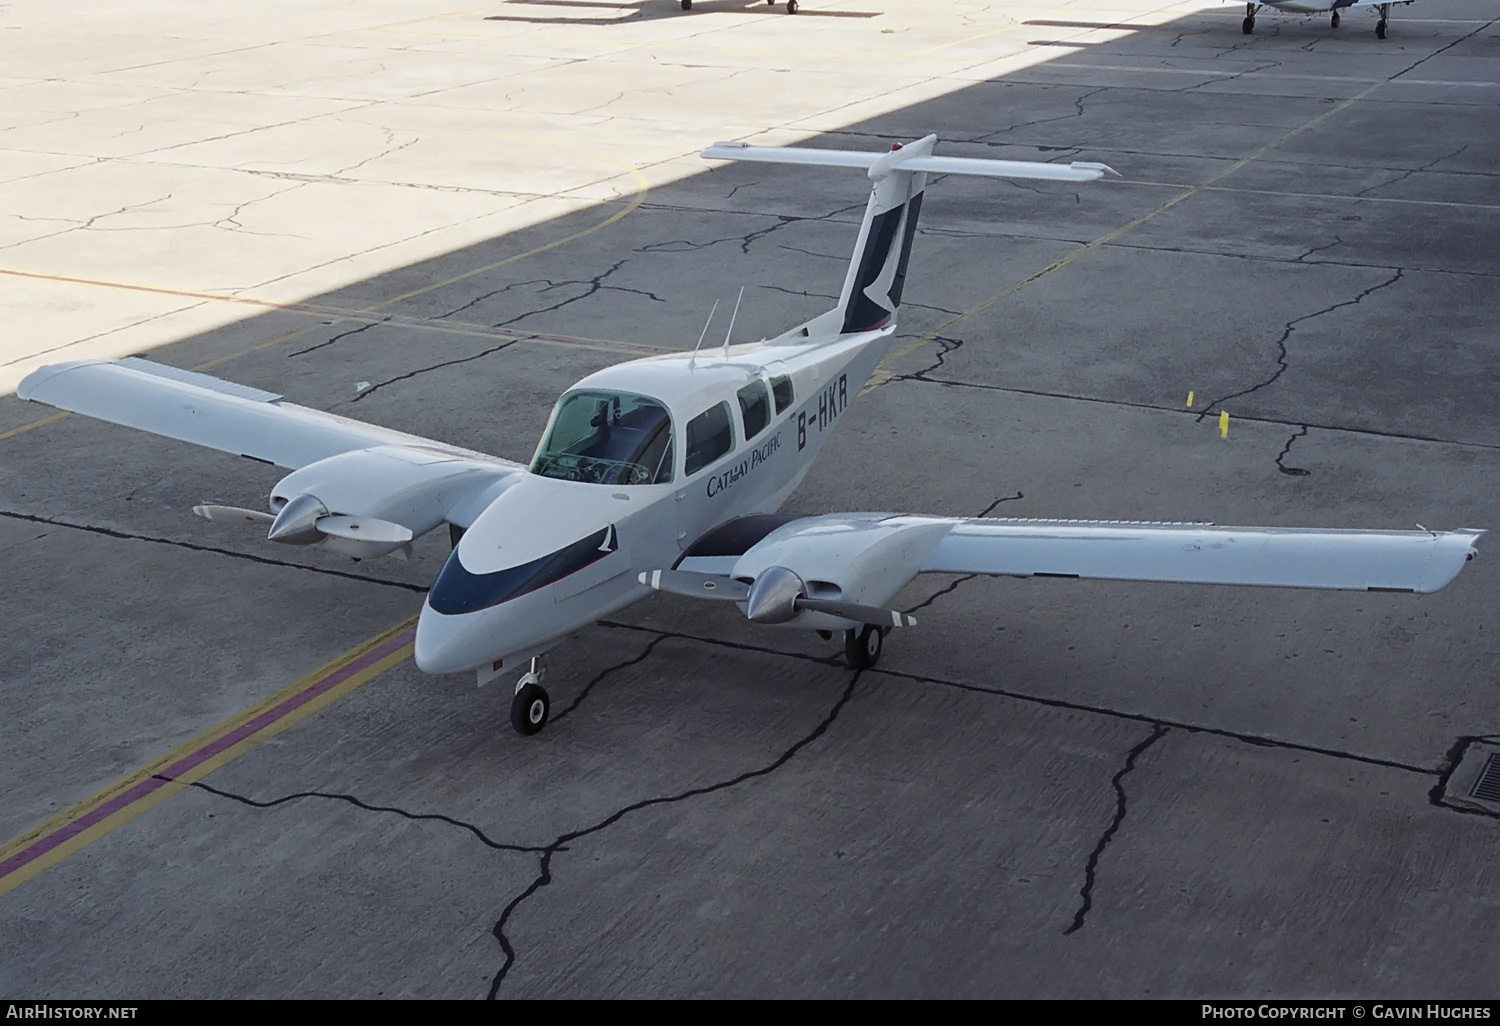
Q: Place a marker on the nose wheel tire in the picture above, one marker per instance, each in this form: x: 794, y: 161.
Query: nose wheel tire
x: 1247, y: 26
x: 1380, y: 29
x: 791, y: 6
x: 862, y: 647
x: 687, y: 5
x: 529, y: 708
x: 1334, y: 21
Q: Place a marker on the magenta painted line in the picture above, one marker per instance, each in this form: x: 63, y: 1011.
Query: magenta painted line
x: 201, y: 755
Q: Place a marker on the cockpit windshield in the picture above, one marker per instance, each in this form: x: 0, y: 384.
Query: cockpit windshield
x: 603, y: 437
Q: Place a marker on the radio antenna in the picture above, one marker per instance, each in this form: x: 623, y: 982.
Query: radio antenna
x: 731, y: 320
x: 704, y: 333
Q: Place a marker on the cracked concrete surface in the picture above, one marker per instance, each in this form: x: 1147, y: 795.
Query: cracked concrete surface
x: 1047, y: 788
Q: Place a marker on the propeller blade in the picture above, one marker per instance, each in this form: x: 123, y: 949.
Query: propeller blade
x: 706, y: 586
x: 859, y: 614
x: 233, y: 514
x: 367, y: 529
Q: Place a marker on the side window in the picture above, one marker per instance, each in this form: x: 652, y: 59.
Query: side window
x: 709, y: 436
x: 781, y: 388
x: 755, y: 408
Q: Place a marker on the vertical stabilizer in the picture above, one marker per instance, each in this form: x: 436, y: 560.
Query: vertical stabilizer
x: 877, y: 273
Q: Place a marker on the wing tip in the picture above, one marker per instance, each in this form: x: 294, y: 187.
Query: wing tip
x: 30, y: 383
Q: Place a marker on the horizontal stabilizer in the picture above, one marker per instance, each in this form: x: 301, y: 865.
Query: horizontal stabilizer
x: 882, y: 164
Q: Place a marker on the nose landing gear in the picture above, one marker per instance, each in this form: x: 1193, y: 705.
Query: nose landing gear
x: 862, y: 647
x: 1248, y: 25
x: 530, y: 705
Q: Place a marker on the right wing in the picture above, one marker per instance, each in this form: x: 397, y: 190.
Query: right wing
x: 207, y: 411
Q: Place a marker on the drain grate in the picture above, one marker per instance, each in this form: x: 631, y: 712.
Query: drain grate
x: 1487, y: 787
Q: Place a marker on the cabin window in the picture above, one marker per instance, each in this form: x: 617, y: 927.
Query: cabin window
x: 709, y: 436
x: 755, y: 408
x: 781, y: 388
x: 600, y: 437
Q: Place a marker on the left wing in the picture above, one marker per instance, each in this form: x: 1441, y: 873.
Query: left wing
x: 1415, y: 561
x: 798, y: 569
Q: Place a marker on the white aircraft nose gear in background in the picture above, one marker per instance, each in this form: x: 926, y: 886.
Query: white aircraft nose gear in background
x: 666, y: 473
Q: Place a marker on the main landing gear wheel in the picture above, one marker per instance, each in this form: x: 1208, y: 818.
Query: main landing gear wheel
x: 862, y: 647
x: 687, y: 5
x: 1380, y: 29
x: 1247, y: 26
x: 791, y: 6
x: 1334, y: 21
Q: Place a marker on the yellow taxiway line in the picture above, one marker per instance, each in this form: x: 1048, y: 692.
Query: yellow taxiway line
x: 47, y: 844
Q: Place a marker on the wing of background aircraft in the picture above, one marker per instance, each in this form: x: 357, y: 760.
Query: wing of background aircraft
x: 356, y: 488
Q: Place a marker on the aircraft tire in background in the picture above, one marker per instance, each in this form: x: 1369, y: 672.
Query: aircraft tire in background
x: 1248, y: 26
x: 791, y: 6
x: 530, y: 706
x: 862, y: 647
x: 1380, y: 29
x: 687, y: 5
x: 1334, y: 22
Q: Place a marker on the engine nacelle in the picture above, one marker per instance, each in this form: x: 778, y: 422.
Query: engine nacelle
x: 863, y: 558
x: 416, y: 488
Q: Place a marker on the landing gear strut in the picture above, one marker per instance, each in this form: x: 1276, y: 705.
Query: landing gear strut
x: 1248, y: 25
x: 862, y: 647
x: 529, y: 706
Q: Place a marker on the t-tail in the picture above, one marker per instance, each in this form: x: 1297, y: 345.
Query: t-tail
x: 877, y: 272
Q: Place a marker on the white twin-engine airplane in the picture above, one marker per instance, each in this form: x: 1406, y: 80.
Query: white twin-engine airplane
x: 1321, y: 7
x: 665, y: 474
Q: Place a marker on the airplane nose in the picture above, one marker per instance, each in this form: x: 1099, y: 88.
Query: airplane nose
x: 443, y: 643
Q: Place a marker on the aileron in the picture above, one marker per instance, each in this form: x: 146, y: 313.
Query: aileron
x: 1419, y: 561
